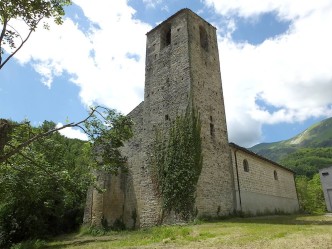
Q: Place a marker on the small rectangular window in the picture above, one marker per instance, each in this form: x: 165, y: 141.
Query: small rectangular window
x: 212, y: 130
x: 203, y: 38
x: 325, y: 173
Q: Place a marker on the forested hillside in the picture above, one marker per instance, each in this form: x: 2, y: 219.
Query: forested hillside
x: 305, y: 153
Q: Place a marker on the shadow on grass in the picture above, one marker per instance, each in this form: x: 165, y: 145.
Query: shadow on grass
x: 168, y: 231
x: 281, y: 220
x: 77, y: 242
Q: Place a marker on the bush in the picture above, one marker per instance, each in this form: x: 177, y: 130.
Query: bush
x: 310, y: 193
x: 30, y: 244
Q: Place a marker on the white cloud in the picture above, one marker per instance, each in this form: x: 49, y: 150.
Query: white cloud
x: 291, y: 73
x: 99, y: 60
x: 284, y: 8
x: 152, y: 3
x: 72, y: 133
x: 165, y: 8
x: 47, y: 71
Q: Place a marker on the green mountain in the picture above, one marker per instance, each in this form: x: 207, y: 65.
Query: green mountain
x: 305, y: 153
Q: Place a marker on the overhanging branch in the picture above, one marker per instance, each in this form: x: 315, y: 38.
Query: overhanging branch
x: 19, y: 47
x: 2, y: 35
x: 17, y: 149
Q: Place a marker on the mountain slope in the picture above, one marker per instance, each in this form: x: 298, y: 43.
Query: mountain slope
x: 316, y: 136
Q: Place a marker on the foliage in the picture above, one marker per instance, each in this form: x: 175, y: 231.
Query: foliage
x: 94, y: 231
x: 105, y: 127
x: 30, y: 12
x: 43, y: 185
x: 42, y: 189
x: 107, y: 130
x: 178, y: 163
x: 311, y: 197
x: 30, y: 244
x: 307, y: 161
x: 275, y: 153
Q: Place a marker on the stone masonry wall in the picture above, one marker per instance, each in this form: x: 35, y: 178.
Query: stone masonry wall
x: 119, y: 203
x: 215, y: 186
x: 167, y: 80
x: 133, y: 150
x: 264, y: 187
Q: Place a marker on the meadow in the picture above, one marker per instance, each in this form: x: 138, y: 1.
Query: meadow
x: 295, y: 231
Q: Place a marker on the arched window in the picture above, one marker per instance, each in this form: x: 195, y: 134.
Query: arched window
x: 165, y: 37
x: 245, y: 165
x: 203, y: 38
x: 275, y: 174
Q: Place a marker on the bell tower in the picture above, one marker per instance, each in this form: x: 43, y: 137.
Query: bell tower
x: 182, y: 68
x: 182, y: 62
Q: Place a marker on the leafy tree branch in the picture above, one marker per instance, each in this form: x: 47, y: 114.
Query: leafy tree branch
x: 107, y: 130
x: 31, y: 12
x: 50, y: 173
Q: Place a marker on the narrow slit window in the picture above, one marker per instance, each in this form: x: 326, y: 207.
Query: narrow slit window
x: 168, y: 37
x: 275, y: 174
x: 203, y: 38
x: 166, y: 117
x: 245, y: 165
x: 212, y: 130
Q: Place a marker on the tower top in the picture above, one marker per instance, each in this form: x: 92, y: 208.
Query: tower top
x: 185, y: 10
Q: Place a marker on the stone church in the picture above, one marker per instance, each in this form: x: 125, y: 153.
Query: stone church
x: 182, y: 64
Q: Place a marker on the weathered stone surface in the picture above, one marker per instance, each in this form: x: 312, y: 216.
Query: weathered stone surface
x: 264, y: 187
x: 182, y: 65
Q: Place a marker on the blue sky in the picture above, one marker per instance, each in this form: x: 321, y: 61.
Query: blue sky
x: 275, y: 63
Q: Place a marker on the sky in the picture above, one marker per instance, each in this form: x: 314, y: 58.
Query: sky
x: 275, y: 57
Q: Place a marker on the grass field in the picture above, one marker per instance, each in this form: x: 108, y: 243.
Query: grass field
x: 260, y: 232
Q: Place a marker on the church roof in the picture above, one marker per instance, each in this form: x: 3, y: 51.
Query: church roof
x: 235, y: 146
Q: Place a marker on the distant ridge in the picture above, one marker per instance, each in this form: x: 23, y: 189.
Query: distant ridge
x: 318, y: 135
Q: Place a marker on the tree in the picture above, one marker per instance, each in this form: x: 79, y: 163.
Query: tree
x: 310, y: 193
x: 101, y: 125
x: 44, y: 183
x: 307, y: 161
x: 31, y: 12
x: 42, y: 190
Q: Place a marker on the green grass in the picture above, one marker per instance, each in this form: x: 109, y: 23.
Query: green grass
x: 30, y: 244
x: 259, y: 232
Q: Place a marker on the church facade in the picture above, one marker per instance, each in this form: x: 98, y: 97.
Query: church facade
x: 182, y: 67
